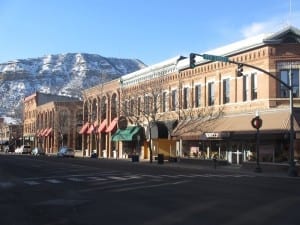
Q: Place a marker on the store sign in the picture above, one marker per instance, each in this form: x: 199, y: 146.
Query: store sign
x: 217, y: 135
x: 122, y: 123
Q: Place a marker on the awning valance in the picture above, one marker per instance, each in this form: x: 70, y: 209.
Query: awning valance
x: 125, y: 135
x: 273, y: 122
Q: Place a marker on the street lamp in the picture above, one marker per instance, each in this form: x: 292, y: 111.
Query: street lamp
x: 292, y: 169
x: 256, y: 123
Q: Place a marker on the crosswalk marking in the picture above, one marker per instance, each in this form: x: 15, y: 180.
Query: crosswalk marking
x: 97, y: 178
x: 117, y: 178
x: 133, y: 177
x: 150, y: 176
x: 53, y: 181
x: 5, y: 184
x: 76, y: 179
x: 31, y: 182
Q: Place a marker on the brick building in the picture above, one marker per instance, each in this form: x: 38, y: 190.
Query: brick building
x: 203, y: 111
x: 10, y: 133
x: 51, y: 121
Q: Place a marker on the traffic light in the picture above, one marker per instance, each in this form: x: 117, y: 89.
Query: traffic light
x: 240, y: 70
x: 192, y: 60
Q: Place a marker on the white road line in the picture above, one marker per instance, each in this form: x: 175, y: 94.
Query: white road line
x: 97, y: 178
x: 118, y: 178
x: 75, y: 179
x: 146, y: 186
x: 133, y: 177
x: 31, y: 182
x: 169, y: 176
x: 53, y: 181
x: 151, y: 176
x: 5, y: 184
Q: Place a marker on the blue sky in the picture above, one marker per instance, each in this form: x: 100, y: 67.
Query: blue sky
x: 149, y: 30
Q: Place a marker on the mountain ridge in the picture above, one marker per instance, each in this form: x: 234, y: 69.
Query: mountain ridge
x: 64, y: 74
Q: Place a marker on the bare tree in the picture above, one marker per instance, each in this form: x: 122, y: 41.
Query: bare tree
x: 94, y: 110
x: 141, y: 105
x: 191, y: 118
x: 62, y: 125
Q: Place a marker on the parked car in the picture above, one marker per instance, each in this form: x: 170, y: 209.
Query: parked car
x: 18, y: 150
x: 66, y: 152
x: 37, y: 151
x: 24, y: 149
x: 6, y: 149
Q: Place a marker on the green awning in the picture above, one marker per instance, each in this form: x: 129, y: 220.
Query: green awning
x: 125, y: 135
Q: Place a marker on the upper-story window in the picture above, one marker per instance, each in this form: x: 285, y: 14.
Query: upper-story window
x: 164, y: 102
x: 147, y: 103
x: 253, y: 86
x: 226, y: 91
x: 139, y: 106
x: 174, y: 100
x: 132, y: 107
x: 185, y: 97
x: 198, y: 95
x: 284, y: 76
x: 211, y: 93
x: 285, y: 69
x: 126, y: 107
x: 245, y: 87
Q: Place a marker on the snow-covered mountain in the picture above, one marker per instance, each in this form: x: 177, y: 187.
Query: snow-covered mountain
x: 64, y: 74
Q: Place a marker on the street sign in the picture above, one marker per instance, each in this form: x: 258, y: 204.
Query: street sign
x: 215, y: 58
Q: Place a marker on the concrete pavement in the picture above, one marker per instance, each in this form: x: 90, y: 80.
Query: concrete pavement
x: 268, y: 169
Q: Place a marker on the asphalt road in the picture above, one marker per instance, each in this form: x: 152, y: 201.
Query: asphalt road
x: 57, y: 191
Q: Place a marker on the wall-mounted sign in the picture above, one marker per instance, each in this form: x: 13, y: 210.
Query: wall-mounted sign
x: 214, y: 135
x: 122, y: 123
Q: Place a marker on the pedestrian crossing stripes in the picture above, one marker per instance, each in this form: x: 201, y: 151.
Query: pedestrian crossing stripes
x: 117, y: 177
x: 53, y: 181
x: 31, y: 182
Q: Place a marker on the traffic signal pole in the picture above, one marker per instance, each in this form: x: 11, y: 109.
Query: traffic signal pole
x: 292, y: 168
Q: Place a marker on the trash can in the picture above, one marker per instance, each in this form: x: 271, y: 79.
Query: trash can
x: 172, y: 159
x: 135, y: 158
x: 160, y: 158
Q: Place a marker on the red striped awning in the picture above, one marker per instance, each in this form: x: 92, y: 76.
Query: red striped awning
x: 112, y: 125
x: 44, y: 132
x: 91, y: 129
x: 84, y: 128
x: 48, y: 132
x: 102, y: 126
x: 39, y: 133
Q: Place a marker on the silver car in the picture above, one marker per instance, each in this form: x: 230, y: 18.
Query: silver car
x: 66, y: 152
x: 38, y: 151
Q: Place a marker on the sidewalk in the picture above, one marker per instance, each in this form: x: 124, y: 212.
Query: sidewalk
x: 268, y: 169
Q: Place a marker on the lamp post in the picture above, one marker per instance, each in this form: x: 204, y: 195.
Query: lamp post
x: 138, y: 138
x: 292, y: 169
x: 256, y: 123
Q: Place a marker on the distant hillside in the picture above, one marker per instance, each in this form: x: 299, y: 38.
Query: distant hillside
x: 65, y: 74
